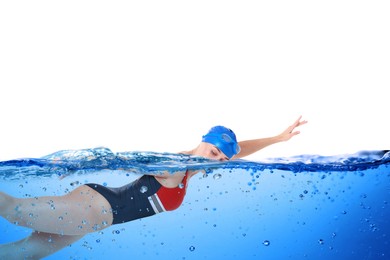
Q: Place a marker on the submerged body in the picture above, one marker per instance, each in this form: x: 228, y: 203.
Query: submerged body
x: 141, y: 198
x: 92, y: 207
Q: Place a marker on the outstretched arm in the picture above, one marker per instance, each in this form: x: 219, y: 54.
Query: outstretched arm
x: 251, y: 146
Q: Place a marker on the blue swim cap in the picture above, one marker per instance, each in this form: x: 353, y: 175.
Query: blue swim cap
x: 224, y: 139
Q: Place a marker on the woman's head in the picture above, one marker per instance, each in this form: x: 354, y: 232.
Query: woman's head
x: 223, y: 139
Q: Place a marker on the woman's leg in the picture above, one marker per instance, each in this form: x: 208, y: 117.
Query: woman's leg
x: 36, y: 246
x: 79, y: 212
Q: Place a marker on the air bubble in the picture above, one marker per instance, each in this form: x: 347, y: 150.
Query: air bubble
x: 192, y: 248
x: 217, y: 176
x: 74, y: 183
x: 143, y: 189
x: 181, y: 186
x: 266, y: 242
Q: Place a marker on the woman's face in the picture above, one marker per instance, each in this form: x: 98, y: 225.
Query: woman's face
x: 211, y: 151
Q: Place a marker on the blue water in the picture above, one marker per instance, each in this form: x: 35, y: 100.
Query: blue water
x: 301, y: 207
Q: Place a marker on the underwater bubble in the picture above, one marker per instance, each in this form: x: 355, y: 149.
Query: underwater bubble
x: 95, y: 227
x: 50, y: 240
x: 74, y: 183
x: 192, y: 248
x: 30, y: 215
x: 60, y: 218
x: 104, y: 223
x: 266, y: 242
x: 84, y: 222
x: 305, y: 192
x: 143, y: 189
x: 321, y: 241
x: 97, y: 240
x: 116, y: 232
x: 181, y: 186
x: 217, y: 176
x: 80, y: 227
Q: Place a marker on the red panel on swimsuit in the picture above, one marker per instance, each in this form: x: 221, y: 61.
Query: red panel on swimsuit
x: 171, y: 198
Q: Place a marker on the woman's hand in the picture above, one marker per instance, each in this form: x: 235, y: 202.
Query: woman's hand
x: 290, y: 131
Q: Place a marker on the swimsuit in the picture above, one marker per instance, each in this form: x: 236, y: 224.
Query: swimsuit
x: 141, y: 198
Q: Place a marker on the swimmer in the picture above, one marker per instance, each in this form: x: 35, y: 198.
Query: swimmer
x: 62, y: 220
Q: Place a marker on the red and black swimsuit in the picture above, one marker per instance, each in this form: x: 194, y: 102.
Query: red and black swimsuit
x: 141, y: 198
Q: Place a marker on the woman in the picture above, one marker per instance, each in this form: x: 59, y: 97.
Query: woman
x: 58, y: 221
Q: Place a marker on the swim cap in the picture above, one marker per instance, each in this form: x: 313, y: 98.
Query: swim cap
x: 224, y: 139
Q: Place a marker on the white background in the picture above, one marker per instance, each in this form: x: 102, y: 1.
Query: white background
x: 156, y: 75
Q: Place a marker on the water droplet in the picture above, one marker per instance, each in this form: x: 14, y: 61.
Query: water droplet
x: 266, y: 242
x: 143, y: 189
x: 192, y: 248
x: 217, y: 176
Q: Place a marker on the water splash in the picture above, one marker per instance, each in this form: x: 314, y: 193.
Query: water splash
x: 68, y: 162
